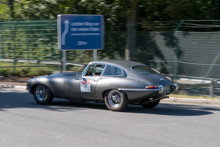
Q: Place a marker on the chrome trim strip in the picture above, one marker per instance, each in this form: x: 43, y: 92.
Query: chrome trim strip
x: 129, y: 89
x: 103, y: 69
x: 160, y: 89
x: 85, y: 70
x: 176, y: 88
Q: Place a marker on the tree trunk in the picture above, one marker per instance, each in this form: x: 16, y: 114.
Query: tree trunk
x: 11, y: 3
x: 130, y: 27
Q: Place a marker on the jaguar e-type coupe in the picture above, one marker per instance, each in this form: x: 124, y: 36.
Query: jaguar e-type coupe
x: 115, y: 82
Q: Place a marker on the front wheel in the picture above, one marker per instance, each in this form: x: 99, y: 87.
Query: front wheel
x: 42, y: 95
x: 151, y: 104
x: 116, y: 100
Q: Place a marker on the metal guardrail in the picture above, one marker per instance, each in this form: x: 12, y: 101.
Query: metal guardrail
x: 29, y: 66
x: 51, y: 63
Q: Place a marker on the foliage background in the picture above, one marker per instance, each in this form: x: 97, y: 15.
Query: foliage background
x: 127, y: 24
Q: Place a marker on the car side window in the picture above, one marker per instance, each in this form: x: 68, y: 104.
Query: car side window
x: 95, y: 70
x: 112, y: 71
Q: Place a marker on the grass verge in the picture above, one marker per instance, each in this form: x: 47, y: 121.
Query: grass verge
x: 25, y: 71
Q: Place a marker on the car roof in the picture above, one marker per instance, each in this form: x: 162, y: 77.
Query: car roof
x: 122, y: 63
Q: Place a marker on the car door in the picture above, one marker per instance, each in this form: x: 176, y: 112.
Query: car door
x: 84, y: 86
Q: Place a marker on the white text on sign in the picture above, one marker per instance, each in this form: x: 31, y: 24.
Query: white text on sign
x: 81, y: 43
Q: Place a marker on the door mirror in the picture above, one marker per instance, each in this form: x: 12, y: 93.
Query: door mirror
x: 77, y: 76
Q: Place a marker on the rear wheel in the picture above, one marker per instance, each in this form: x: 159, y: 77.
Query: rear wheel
x: 116, y: 100
x: 42, y: 95
x: 151, y: 104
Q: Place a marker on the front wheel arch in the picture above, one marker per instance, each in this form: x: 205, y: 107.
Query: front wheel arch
x: 42, y: 94
x: 34, y: 86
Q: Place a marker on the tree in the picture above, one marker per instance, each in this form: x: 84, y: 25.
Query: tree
x: 4, y: 10
x: 119, y: 15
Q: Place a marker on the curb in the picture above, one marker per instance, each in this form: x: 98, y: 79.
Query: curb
x: 12, y: 86
x: 191, y: 101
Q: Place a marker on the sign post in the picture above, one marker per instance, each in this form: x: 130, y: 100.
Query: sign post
x: 94, y: 55
x: 64, y: 60
x: 80, y: 32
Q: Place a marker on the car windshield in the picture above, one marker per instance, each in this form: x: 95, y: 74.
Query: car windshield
x: 143, y: 70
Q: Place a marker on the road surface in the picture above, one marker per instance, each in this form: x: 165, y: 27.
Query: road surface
x: 23, y: 123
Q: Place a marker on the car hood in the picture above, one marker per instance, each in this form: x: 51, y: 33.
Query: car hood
x: 64, y: 74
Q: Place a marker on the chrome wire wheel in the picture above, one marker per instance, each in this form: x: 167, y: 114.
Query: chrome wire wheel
x: 114, y: 98
x: 41, y: 92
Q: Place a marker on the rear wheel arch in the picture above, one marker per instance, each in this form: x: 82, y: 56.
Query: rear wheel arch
x: 107, y: 91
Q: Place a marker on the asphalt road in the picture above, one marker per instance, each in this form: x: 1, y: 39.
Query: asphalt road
x: 23, y: 123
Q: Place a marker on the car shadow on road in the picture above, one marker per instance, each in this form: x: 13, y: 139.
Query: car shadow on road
x: 174, y: 110
x: 15, y: 99
x: 162, y: 109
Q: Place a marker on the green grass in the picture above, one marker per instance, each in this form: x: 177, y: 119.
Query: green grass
x: 25, y: 71
x: 33, y: 71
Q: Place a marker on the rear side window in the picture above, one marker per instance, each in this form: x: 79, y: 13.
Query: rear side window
x: 143, y: 70
x: 112, y: 71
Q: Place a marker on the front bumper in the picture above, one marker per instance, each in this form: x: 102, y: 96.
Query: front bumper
x: 161, y: 89
x: 27, y: 88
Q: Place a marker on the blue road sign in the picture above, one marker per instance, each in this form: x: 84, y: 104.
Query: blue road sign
x: 80, y: 32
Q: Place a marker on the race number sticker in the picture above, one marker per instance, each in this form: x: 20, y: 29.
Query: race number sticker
x: 85, y: 86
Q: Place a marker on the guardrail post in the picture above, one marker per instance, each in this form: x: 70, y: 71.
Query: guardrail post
x: 211, y: 88
x: 14, y: 67
x: 64, y: 60
x: 2, y: 48
x: 61, y: 62
x: 27, y: 45
x: 175, y: 58
x: 12, y: 45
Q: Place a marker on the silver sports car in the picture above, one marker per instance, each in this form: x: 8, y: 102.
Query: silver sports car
x: 115, y: 82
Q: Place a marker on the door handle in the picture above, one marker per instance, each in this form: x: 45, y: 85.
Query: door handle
x: 96, y: 80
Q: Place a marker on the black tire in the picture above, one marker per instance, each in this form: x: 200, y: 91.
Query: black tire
x: 116, y: 100
x: 42, y: 95
x: 151, y: 104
